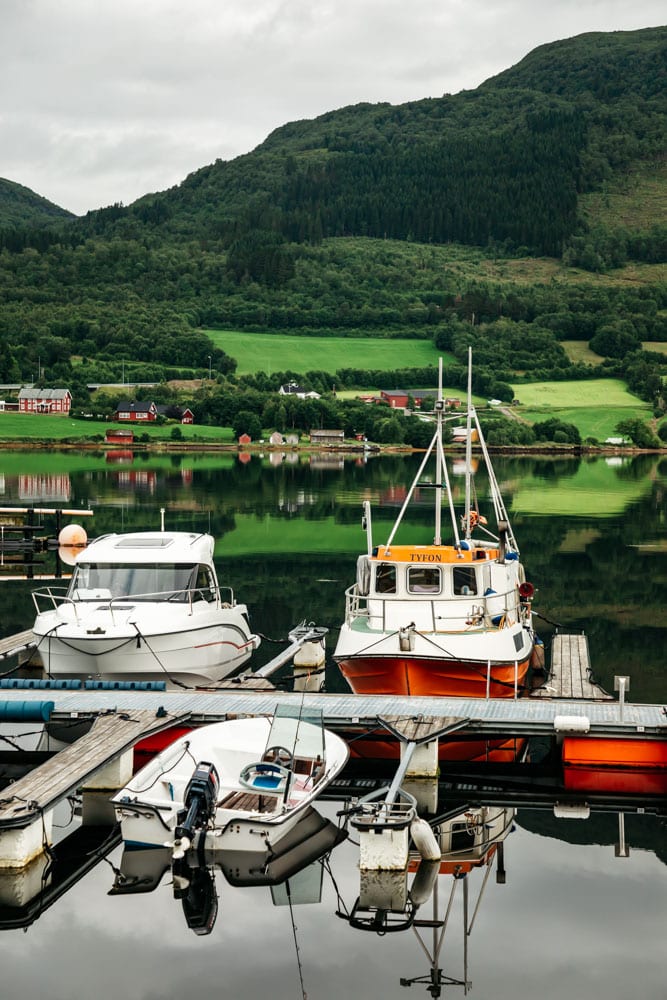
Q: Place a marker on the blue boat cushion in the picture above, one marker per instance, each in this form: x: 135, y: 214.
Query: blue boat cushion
x: 263, y: 775
x: 266, y: 781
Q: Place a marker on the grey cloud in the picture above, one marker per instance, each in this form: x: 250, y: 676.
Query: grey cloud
x: 103, y: 101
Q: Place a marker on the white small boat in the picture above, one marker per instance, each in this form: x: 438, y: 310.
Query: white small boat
x: 243, y: 783
x: 143, y: 606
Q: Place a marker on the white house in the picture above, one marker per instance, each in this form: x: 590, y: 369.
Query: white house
x: 292, y: 389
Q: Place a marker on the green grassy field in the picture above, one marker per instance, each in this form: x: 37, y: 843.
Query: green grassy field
x: 41, y: 427
x: 268, y: 352
x: 594, y: 422
x: 595, y: 407
x: 579, y: 351
x: 592, y: 392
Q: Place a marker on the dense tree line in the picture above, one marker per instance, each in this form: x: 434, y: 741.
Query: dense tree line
x: 245, y: 244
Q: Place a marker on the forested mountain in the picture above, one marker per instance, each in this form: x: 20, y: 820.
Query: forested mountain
x: 503, y: 163
x: 22, y: 208
x: 354, y: 222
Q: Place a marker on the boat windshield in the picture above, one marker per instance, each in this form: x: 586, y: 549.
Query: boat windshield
x: 299, y: 730
x: 155, y: 581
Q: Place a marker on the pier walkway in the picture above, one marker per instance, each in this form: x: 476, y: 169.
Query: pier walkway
x: 520, y: 717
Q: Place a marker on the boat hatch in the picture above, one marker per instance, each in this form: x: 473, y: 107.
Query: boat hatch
x: 143, y: 543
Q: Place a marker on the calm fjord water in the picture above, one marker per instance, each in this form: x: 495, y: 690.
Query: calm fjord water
x: 571, y: 920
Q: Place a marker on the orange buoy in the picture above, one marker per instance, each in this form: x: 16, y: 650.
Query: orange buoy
x: 73, y: 535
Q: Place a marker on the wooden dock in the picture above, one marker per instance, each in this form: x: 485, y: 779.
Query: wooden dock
x: 27, y: 805
x: 570, y: 672
x: 15, y: 645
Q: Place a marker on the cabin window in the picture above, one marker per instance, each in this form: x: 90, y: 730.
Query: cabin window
x: 205, y: 585
x: 465, y: 581
x: 424, y: 580
x: 140, y: 581
x: 385, y: 578
x: 463, y: 838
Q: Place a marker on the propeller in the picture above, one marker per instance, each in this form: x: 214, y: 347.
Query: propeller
x: 179, y: 847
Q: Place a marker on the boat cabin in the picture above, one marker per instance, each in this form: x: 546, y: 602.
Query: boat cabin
x: 161, y: 566
x: 435, y: 587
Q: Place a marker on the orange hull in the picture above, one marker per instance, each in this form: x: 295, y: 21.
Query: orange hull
x: 405, y: 675
x: 615, y: 765
x: 469, y: 751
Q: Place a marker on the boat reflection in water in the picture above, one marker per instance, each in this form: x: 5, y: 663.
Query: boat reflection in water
x: 469, y: 841
x: 293, y: 870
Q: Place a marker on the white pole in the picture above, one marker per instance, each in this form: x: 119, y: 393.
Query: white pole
x: 439, y: 471
x: 466, y: 512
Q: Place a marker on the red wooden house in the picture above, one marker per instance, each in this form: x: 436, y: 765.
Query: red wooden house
x: 45, y: 401
x: 135, y: 410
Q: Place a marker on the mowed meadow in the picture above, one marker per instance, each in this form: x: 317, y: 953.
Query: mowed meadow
x: 277, y: 352
x: 595, y: 406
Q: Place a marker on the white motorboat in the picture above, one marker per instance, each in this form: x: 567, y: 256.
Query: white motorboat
x: 244, y: 784
x: 143, y: 606
x: 450, y: 619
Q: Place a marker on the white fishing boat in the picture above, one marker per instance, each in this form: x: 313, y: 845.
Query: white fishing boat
x: 143, y: 606
x: 449, y: 618
x: 244, y: 784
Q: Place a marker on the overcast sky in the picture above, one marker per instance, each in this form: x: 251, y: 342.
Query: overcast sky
x: 106, y: 100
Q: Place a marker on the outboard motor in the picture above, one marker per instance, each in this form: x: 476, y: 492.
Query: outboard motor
x: 201, y: 795
x: 196, y: 890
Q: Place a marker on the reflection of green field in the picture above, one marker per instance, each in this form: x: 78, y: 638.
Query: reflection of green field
x: 268, y: 352
x: 44, y: 462
x: 275, y: 536
x: 595, y: 490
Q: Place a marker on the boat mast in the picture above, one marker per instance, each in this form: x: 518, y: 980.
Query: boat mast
x: 439, y: 471
x: 441, y: 481
x: 468, y: 529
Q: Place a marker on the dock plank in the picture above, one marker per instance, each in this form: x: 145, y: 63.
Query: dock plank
x: 17, y: 643
x: 570, y: 673
x: 109, y: 736
x: 420, y: 728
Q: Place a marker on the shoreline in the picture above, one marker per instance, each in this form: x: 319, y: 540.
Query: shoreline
x: 186, y: 447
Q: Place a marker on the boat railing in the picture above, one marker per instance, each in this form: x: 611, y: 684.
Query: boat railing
x: 482, y: 611
x: 55, y: 597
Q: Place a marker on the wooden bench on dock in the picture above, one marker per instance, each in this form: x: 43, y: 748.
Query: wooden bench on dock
x: 570, y: 673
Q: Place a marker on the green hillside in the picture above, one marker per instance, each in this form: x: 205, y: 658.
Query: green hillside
x: 20, y: 207
x: 517, y: 217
